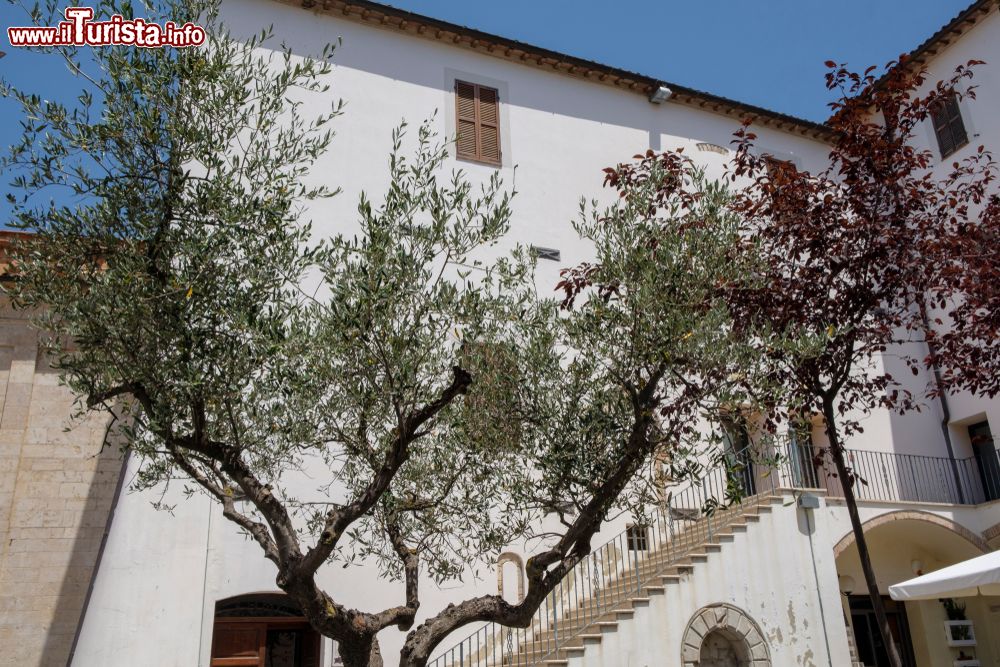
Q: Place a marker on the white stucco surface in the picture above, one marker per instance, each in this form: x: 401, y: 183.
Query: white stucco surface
x: 163, y: 572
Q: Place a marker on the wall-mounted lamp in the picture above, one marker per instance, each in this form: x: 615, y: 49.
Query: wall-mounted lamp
x: 846, y: 583
x: 661, y: 94
x: 917, y: 566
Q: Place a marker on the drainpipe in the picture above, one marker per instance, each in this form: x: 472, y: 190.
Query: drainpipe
x: 100, y: 555
x: 943, y: 400
x: 808, y: 502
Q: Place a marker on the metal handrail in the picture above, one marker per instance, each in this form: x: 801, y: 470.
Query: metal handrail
x: 894, y: 477
x: 637, y: 558
x: 614, y: 572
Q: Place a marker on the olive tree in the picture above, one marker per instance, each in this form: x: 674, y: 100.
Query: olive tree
x: 408, y: 357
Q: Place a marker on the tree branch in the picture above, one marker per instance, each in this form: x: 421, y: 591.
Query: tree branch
x: 225, y: 496
x: 338, y: 520
x: 402, y: 617
x: 544, y: 571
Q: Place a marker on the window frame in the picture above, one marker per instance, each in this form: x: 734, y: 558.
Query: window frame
x: 637, y: 537
x: 951, y: 110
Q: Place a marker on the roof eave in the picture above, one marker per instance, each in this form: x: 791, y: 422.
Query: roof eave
x: 392, y: 18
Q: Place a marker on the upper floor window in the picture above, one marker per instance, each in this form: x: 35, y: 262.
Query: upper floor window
x: 478, y: 122
x: 948, y: 126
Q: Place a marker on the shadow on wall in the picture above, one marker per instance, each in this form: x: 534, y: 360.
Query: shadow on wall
x: 96, y: 515
x: 56, y: 487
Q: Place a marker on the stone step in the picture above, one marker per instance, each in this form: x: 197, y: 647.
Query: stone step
x: 689, y: 546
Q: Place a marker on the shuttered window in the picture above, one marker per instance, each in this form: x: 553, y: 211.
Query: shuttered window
x: 948, y: 126
x: 478, y: 122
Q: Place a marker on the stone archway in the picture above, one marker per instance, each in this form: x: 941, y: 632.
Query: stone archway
x: 991, y: 533
x: 913, y: 515
x: 721, y: 635
x: 511, y: 557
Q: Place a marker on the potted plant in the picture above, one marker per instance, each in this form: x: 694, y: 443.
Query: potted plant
x: 958, y: 628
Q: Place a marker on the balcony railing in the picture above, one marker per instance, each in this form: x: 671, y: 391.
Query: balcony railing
x: 640, y: 557
x: 891, y: 477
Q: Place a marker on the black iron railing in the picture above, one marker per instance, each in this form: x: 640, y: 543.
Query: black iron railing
x: 892, y: 477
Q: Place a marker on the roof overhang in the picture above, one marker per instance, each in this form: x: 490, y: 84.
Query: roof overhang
x: 391, y: 18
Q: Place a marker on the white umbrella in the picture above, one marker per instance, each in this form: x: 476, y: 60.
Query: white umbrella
x: 976, y: 576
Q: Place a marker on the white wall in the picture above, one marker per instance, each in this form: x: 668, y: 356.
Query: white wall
x: 148, y: 595
x: 163, y: 573
x: 921, y: 433
x: 791, y: 593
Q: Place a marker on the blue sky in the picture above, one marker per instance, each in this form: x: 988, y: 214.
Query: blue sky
x: 766, y: 52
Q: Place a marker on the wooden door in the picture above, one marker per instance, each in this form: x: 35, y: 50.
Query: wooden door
x: 239, y: 644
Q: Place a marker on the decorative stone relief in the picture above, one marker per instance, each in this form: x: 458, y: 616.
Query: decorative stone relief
x: 721, y: 635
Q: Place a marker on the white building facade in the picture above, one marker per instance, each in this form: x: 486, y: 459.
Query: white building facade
x: 775, y: 581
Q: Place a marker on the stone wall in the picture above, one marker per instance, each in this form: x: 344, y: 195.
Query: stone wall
x: 56, y: 488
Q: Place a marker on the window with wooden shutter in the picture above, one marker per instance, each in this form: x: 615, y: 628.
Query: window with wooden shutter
x: 477, y: 116
x: 948, y: 126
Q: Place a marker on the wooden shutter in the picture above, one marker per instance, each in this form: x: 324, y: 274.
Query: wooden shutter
x: 489, y: 125
x: 949, y: 127
x: 477, y: 115
x: 465, y: 101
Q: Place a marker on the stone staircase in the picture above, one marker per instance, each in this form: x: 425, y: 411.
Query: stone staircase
x: 666, y: 567
x: 617, y: 579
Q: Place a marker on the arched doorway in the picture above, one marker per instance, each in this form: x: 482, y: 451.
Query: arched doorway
x: 262, y: 630
x: 903, y: 544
